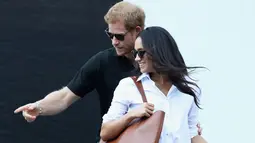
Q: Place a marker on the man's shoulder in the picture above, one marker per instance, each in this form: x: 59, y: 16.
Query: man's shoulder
x: 107, y: 52
x: 107, y: 56
x: 101, y: 58
x: 103, y: 55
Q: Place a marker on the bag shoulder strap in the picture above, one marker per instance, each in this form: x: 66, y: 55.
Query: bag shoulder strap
x: 140, y: 87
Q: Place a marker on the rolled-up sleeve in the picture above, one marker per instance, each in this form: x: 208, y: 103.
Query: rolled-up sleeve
x: 120, y: 102
x: 193, y: 116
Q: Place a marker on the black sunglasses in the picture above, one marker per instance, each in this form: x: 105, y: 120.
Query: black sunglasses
x: 140, y: 53
x: 120, y: 37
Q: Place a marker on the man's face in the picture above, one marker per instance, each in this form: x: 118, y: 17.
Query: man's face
x: 122, y: 40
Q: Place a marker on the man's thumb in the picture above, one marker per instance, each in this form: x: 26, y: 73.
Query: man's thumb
x: 32, y: 106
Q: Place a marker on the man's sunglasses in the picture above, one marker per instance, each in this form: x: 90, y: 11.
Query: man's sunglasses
x: 120, y: 37
x: 140, y: 53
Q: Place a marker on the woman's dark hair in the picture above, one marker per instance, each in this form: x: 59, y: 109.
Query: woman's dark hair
x: 167, y: 59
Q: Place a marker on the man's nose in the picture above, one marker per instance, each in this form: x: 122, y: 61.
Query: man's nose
x: 115, y: 41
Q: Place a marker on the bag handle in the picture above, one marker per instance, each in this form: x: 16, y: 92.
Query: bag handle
x: 140, y: 87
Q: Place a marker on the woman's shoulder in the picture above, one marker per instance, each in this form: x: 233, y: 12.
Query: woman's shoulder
x: 127, y: 80
x: 126, y: 89
x: 125, y: 84
x: 132, y: 79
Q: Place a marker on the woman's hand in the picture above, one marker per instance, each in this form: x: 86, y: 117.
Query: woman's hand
x: 146, y: 109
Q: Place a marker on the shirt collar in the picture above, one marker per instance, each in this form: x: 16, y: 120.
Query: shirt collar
x: 142, y: 76
x: 147, y: 76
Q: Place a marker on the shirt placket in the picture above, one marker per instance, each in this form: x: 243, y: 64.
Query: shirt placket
x: 165, y: 102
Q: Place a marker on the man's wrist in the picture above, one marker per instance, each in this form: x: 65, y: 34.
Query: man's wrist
x: 39, y: 108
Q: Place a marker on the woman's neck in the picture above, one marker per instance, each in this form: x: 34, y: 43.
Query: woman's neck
x: 162, y: 82
x: 159, y: 78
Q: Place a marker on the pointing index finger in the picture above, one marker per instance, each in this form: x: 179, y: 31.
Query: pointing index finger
x: 22, y: 108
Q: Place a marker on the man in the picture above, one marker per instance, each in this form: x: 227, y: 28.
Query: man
x: 101, y: 72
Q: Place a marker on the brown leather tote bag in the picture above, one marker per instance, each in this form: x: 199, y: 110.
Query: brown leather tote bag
x: 146, y: 130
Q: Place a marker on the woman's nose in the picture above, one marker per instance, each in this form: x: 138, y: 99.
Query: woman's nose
x: 137, y: 58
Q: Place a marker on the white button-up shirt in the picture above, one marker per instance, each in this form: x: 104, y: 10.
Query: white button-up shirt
x: 181, y: 112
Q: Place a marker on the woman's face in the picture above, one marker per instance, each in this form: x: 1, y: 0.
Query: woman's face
x: 142, y: 58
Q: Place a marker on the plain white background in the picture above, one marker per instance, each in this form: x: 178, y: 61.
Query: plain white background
x: 220, y: 35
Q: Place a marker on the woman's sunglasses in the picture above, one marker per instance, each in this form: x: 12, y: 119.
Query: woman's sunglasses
x: 140, y: 53
x: 120, y: 37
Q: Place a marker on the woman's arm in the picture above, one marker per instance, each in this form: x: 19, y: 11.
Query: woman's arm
x: 112, y: 129
x: 118, y: 117
x: 193, y: 121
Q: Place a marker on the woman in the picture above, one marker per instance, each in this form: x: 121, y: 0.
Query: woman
x: 167, y: 87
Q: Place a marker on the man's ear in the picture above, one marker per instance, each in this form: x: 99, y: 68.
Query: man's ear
x: 138, y: 29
